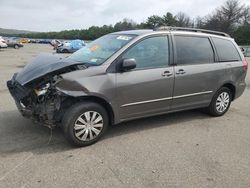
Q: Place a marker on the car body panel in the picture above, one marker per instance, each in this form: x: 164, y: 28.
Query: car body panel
x: 144, y: 92
x: 43, y: 64
x: 199, y: 83
x: 3, y: 43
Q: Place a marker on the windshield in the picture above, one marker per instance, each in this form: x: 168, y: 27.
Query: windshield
x: 98, y: 51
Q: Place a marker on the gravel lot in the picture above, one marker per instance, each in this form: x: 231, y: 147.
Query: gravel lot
x: 186, y: 149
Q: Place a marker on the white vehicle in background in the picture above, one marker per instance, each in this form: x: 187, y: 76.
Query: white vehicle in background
x: 3, y: 43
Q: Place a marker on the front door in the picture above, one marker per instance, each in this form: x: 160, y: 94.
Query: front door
x: 147, y: 89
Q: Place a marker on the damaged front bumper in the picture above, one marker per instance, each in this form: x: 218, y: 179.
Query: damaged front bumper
x: 42, y: 110
x: 19, y: 92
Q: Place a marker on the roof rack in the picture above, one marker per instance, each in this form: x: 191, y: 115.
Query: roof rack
x: 170, y: 28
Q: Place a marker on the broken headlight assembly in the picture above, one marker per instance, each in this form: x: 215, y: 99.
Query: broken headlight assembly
x: 42, y: 90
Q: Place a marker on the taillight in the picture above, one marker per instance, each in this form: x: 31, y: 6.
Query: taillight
x: 245, y: 64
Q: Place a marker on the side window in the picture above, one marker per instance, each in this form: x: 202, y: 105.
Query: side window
x: 193, y: 50
x: 226, y: 50
x: 150, y: 53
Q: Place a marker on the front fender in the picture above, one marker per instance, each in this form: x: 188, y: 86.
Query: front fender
x: 74, y: 89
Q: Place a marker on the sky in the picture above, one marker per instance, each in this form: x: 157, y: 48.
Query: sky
x: 57, y: 15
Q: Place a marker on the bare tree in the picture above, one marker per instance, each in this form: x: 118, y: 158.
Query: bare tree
x: 183, y: 20
x: 199, y: 22
x: 246, y: 16
x: 226, y: 17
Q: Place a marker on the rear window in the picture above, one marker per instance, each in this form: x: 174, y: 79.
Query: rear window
x: 193, y: 50
x: 226, y: 50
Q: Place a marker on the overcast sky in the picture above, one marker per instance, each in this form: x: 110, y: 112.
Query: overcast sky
x: 56, y: 15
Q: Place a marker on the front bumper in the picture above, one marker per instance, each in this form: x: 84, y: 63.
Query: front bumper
x: 19, y: 93
x: 28, y: 104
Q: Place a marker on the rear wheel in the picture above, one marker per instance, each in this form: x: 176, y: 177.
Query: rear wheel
x: 16, y: 46
x: 220, y: 102
x: 85, y: 123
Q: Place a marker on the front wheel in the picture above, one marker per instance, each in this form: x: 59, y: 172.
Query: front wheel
x: 65, y: 51
x: 220, y: 102
x: 85, y: 123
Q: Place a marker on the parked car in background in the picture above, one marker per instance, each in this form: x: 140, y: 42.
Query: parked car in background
x: 44, y: 41
x: 246, y: 50
x: 23, y: 40
x: 33, y: 41
x: 14, y: 44
x: 55, y: 43
x: 70, y: 47
x: 129, y: 75
x: 3, y: 43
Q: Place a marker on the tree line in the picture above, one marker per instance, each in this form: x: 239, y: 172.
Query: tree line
x: 232, y: 17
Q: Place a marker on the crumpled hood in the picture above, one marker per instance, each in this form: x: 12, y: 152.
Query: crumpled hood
x: 43, y: 64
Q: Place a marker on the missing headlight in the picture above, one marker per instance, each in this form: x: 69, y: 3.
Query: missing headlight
x: 42, y: 90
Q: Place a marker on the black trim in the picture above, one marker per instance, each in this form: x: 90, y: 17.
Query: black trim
x: 216, y: 56
x: 197, y: 36
x: 222, y: 61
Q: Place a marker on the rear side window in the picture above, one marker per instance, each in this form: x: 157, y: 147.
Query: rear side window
x: 226, y: 50
x: 193, y: 50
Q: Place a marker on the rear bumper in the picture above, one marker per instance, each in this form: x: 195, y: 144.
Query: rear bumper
x: 239, y: 90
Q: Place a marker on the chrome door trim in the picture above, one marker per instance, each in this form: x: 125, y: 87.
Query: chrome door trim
x: 192, y: 94
x: 149, y: 101
x: 167, y: 98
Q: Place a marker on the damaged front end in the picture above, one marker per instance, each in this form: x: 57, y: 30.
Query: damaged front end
x: 37, y: 97
x: 40, y: 103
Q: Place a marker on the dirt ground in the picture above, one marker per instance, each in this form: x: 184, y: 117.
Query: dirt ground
x: 186, y: 149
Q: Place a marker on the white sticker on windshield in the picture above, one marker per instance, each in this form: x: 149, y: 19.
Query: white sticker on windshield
x: 93, y: 60
x: 123, y: 38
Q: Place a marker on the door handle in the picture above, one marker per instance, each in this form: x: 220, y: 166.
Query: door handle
x: 167, y: 73
x: 180, y: 71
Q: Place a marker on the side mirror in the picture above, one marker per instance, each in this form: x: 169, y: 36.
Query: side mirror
x: 128, y: 64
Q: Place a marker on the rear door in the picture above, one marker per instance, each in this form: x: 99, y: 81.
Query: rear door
x: 196, y: 74
x: 147, y: 89
x: 230, y: 55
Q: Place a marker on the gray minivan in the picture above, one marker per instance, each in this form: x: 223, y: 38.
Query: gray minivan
x: 128, y: 75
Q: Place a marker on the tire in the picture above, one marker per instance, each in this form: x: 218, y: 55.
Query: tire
x: 65, y: 51
x: 221, y: 102
x: 16, y: 46
x: 79, y: 133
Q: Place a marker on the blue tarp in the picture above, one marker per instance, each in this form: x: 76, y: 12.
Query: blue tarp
x: 77, y: 44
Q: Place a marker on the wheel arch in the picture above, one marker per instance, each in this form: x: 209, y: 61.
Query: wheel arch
x: 69, y: 101
x: 64, y: 50
x: 231, y: 87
